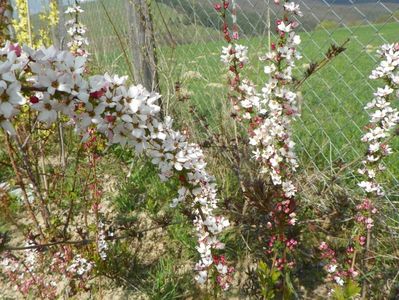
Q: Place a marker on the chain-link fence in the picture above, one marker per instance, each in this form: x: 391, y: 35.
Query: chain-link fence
x: 188, y: 39
x: 189, y: 42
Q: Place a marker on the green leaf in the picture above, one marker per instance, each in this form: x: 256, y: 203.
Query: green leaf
x: 289, y: 286
x: 352, y: 289
x: 348, y: 292
x: 338, y: 293
x: 275, y: 276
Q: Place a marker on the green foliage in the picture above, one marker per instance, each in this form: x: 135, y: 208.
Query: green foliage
x: 22, y: 25
x: 275, y: 284
x: 347, y: 292
x: 143, y: 190
x: 268, y: 279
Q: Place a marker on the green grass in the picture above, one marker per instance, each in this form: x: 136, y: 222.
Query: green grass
x: 329, y: 129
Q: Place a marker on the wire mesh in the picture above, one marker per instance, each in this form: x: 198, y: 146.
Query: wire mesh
x: 188, y: 41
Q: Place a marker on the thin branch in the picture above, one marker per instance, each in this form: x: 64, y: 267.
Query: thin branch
x: 119, y: 39
x: 22, y: 186
x: 331, y: 53
x: 87, y: 241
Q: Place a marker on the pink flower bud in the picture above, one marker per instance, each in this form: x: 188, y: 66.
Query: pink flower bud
x: 33, y: 100
x: 16, y: 48
x: 294, y: 24
x: 97, y: 94
x: 110, y: 119
x: 362, y: 240
x: 217, y: 6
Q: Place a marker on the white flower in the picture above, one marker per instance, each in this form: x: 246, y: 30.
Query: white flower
x: 289, y: 189
x: 270, y: 69
x: 202, y: 277
x: 339, y: 280
x: 241, y: 53
x: 296, y: 39
x: 331, y: 268
x: 74, y: 9
x: 284, y: 28
x: 47, y: 110
x: 383, y: 92
x: 11, y: 100
x: 293, y: 7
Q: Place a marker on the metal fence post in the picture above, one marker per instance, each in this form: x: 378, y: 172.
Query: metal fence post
x: 61, y: 32
x: 143, y: 44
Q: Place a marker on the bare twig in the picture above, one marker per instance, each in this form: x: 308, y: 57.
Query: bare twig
x: 88, y: 241
x: 331, y: 53
x: 22, y: 186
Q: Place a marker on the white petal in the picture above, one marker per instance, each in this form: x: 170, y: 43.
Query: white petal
x: 7, y: 126
x: 6, y: 109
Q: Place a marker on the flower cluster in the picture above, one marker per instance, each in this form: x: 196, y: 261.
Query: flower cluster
x: 33, y: 269
x: 271, y: 133
x: 224, y: 279
x: 235, y: 54
x: 365, y: 212
x: 80, y: 266
x: 243, y: 94
x: 102, y: 245
x: 383, y: 119
x: 269, y: 115
x: 338, y: 273
x: 53, y: 82
x: 23, y: 272
x: 76, y: 30
x: 272, y: 137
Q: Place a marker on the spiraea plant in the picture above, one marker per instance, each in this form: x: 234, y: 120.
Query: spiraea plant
x: 76, y: 30
x: 266, y: 117
x: 380, y: 131
x: 47, y: 92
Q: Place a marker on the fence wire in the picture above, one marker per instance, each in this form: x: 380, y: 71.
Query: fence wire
x: 189, y: 42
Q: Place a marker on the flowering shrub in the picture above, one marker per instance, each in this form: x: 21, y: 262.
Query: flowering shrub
x: 53, y: 82
x: 76, y: 30
x: 267, y: 116
x: 45, y: 90
x: 49, y: 84
x: 50, y: 19
x: 23, y: 24
x: 383, y: 119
